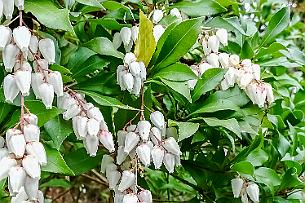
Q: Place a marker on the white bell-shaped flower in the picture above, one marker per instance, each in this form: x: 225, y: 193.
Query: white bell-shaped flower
x: 6, y: 164
x: 107, y: 140
x: 144, y: 129
x: 128, y: 81
x: 129, y: 57
x: 175, y: 12
x: 2, y: 142
x: 117, y: 40
x: 16, y: 179
x: 31, y: 187
x: 143, y: 152
x: 46, y: 92
x: 17, y: 145
x: 222, y: 35
x: 213, y: 43
x: 206, y: 49
x: 31, y: 132
x: 137, y: 86
x: 20, y: 196
x: 71, y: 112
x: 169, y: 162
x: 131, y: 140
x: 256, y: 70
x: 253, y: 192
x: 31, y: 166
x: 37, y: 149
x: 135, y: 68
x: 244, y: 197
x: 3, y: 152
x: 245, y: 80
x: 91, y: 144
x: 134, y: 33
x: 204, y: 67
x: 121, y: 155
x: 40, y: 197
x: 130, y: 198
x: 6, y: 35
x: 118, y: 197
x: 41, y: 65
x: 81, y: 126
x: 246, y: 63
x: 47, y: 49
x: 37, y: 80
x: 127, y: 180
x: 95, y: 113
x: 157, y: 119
x: 125, y: 35
x: 261, y: 95
x: 9, y: 56
x: 34, y: 44
x: 157, y: 16
x: 158, y: 31
x: 55, y: 80
x: 157, y: 154
x: 106, y: 160
x: 19, y: 4
x: 237, y: 185
x: 145, y: 196
x: 171, y: 145
x: 113, y: 178
x: 31, y: 119
x: 93, y: 126
x: 121, y: 135
x: 10, y: 88
x: 8, y: 8
x: 1, y: 9
x: 23, y: 81
x: 224, y: 60
x: 213, y: 59
x: 143, y: 72
x: 270, y: 97
x: 22, y: 37
x: 234, y: 60
x: 155, y: 135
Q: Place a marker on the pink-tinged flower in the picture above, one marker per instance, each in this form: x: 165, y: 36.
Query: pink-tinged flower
x: 131, y: 140
x: 157, y: 154
x: 37, y: 149
x: 31, y: 187
x: 33, y: 44
x: 128, y: 179
x: 145, y: 196
x: 31, y: 132
x: 130, y: 198
x: 31, y: 119
x: 47, y: 50
x: 31, y: 166
x: 143, y: 152
x: 16, y: 179
x: 107, y: 140
x: 169, y: 162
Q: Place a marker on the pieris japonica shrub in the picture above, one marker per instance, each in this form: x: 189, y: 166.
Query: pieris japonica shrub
x: 151, y: 101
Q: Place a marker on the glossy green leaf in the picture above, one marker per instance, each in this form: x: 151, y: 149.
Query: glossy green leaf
x: 176, y: 72
x: 93, y: 3
x: 230, y: 124
x: 185, y: 129
x: 103, y: 46
x: 230, y: 24
x: 243, y: 167
x: 180, y: 87
x: 267, y: 176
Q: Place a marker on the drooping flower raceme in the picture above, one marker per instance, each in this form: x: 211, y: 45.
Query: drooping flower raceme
x: 245, y: 190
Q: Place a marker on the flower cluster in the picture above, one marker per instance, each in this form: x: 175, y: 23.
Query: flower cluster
x: 144, y: 143
x: 21, y: 159
x: 127, y: 36
x: 7, y: 8
x: 245, y: 190
x: 19, y: 47
x: 131, y: 75
x: 244, y: 73
x: 88, y: 121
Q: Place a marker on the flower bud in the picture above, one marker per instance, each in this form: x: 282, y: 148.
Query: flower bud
x: 157, y: 16
x: 10, y: 88
x: 22, y: 37
x: 222, y: 35
x: 103, y: 126
x: 46, y: 91
x: 33, y: 44
x: 213, y: 60
x: 31, y: 119
x: 128, y: 179
x: 213, y: 43
x: 23, y: 81
x: 47, y: 49
x: 144, y: 129
x: 143, y: 152
x: 169, y: 162
x: 72, y: 111
x: 93, y: 126
x: 91, y: 144
x: 95, y: 113
x: 21, y: 196
x: 113, y: 178
x: 234, y: 60
x: 31, y: 187
x: 6, y: 164
x: 172, y: 146
x: 158, y: 31
x: 253, y: 192
x: 155, y: 135
x: 130, y: 198
x: 6, y: 34
x: 55, y: 80
x: 157, y: 154
x: 37, y: 149
x: 135, y: 68
x: 8, y: 8
x: 17, y: 145
x: 237, y: 184
x: 145, y: 195
x: 107, y: 140
x: 117, y: 40
x: 31, y: 132
x: 16, y: 179
x: 19, y: 4
x: 128, y: 81
x: 175, y: 12
x: 134, y: 33
x: 106, y: 160
x: 157, y: 119
x: 125, y: 35
x: 131, y: 140
x: 129, y: 57
x: 224, y: 60
x: 143, y: 71
x: 31, y: 166
x: 9, y: 56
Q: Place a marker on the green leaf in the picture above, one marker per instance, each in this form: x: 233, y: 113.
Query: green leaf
x: 176, y: 72
x: 291, y: 180
x: 243, y: 167
x: 268, y: 177
x: 80, y: 162
x: 179, y: 41
x: 185, y: 129
x: 58, y: 129
x: 103, y: 46
x: 108, y: 101
x: 5, y: 110
x: 56, y: 163
x: 146, y: 44
x: 257, y: 157
x: 246, y: 51
x: 56, y: 183
x: 230, y: 124
x: 78, y: 58
x: 209, y: 80
x: 93, y: 3
x: 180, y: 87
x: 273, y: 48
x: 230, y: 24
x: 49, y: 14
x: 200, y: 7
x: 277, y: 24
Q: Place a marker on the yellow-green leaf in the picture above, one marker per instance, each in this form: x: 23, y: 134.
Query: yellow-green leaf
x: 145, y: 45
